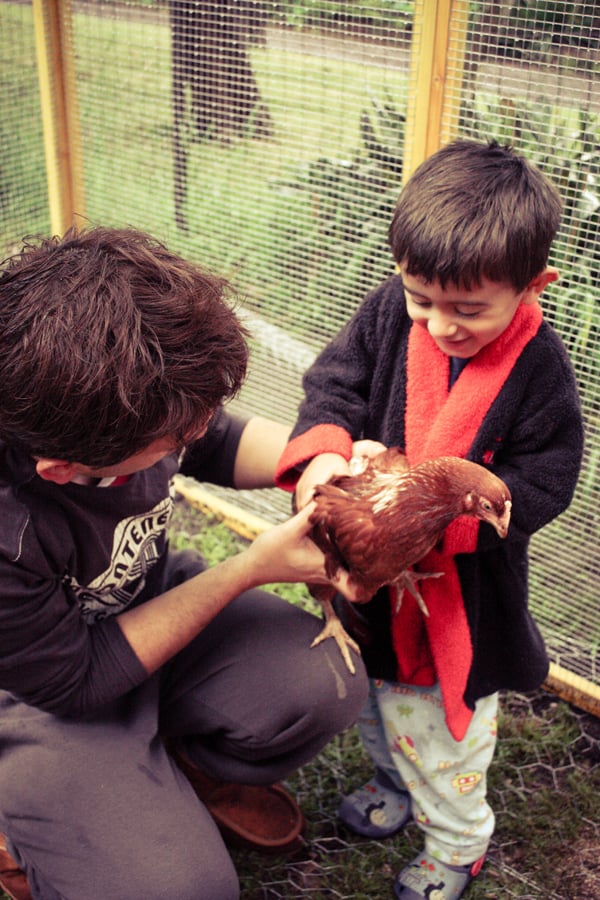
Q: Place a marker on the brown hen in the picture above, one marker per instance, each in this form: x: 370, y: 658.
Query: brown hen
x: 382, y: 520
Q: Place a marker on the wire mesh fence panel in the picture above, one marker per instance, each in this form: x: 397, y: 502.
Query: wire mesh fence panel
x: 23, y: 188
x: 262, y: 139
x: 267, y: 140
x: 529, y: 74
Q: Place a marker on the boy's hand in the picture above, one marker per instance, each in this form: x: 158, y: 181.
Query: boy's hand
x: 319, y: 471
x: 325, y: 466
x: 367, y: 448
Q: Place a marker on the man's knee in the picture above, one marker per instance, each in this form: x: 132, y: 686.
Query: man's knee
x: 207, y: 874
x: 335, y: 696
x: 173, y: 872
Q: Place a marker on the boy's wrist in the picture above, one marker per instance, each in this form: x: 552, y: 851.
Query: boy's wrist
x: 301, y: 450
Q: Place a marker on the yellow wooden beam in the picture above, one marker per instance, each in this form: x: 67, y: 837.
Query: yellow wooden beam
x: 458, y: 29
x: 60, y: 116
x: 415, y: 137
x: 242, y: 522
x: 438, y: 48
x: 574, y: 689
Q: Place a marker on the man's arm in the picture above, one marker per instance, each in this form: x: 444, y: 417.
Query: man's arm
x: 237, y: 452
x: 159, y: 628
x: 261, y: 444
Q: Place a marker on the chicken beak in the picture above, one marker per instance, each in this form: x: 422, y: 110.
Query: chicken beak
x: 502, y: 522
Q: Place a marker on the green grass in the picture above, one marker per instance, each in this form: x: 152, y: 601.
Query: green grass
x: 23, y: 188
x: 248, y: 220
x: 124, y: 92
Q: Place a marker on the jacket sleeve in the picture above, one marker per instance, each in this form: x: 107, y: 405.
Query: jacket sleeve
x: 337, y: 386
x: 49, y: 657
x: 300, y: 450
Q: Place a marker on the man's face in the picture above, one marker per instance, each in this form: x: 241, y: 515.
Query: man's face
x: 461, y: 322
x: 143, y: 459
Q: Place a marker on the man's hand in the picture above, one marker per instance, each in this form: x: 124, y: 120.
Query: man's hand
x: 286, y: 554
x: 162, y: 626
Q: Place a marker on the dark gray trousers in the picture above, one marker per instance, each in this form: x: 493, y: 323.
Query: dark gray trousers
x: 96, y: 809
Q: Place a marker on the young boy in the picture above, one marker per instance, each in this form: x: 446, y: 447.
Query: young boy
x: 450, y: 357
x: 114, y: 356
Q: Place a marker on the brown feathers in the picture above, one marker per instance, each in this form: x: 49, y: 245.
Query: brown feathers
x: 378, y: 523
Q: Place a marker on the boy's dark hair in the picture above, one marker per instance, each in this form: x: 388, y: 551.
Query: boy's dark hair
x: 108, y: 341
x: 475, y: 210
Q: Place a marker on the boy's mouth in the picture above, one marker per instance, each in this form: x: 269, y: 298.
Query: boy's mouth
x: 453, y: 347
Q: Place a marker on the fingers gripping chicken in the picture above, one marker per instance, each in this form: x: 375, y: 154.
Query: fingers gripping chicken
x: 378, y: 523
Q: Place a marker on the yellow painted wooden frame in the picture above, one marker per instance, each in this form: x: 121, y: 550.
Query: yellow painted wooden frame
x: 60, y: 114
x: 436, y: 78
x: 436, y: 75
x: 567, y: 685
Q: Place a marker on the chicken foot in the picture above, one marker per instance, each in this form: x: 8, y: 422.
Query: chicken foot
x: 334, y: 629
x: 407, y: 580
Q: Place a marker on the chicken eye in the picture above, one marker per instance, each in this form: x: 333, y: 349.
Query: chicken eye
x: 486, y: 505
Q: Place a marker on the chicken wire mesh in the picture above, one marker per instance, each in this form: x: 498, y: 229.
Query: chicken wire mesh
x: 268, y: 140
x: 23, y: 195
x: 543, y: 786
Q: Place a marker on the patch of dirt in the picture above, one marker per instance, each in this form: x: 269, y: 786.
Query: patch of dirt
x: 581, y: 872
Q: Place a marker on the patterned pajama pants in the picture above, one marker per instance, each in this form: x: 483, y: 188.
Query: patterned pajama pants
x: 404, y: 732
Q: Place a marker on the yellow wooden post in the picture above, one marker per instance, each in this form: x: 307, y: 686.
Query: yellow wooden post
x: 435, y: 78
x: 458, y: 29
x: 60, y: 117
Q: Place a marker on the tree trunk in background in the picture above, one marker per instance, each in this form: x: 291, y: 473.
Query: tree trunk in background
x: 214, y: 91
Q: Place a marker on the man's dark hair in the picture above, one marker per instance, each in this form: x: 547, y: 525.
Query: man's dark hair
x: 108, y: 341
x: 475, y: 210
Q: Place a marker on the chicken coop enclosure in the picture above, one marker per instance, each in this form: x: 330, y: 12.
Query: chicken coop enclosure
x: 269, y: 141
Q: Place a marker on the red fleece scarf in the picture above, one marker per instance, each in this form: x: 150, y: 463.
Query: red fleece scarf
x: 442, y: 423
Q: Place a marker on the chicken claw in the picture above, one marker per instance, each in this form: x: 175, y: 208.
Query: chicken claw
x: 386, y: 516
x: 408, y: 581
x: 334, y: 629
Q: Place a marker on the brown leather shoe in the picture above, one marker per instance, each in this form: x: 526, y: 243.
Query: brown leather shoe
x: 13, y: 880
x: 263, y: 818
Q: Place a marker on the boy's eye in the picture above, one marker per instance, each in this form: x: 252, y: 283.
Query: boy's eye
x: 467, y: 312
x: 464, y: 310
x: 414, y: 298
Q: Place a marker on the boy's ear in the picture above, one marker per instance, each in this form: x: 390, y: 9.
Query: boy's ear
x: 536, y: 285
x: 56, y: 470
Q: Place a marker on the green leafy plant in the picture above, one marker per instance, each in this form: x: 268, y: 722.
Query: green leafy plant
x: 535, y: 28
x: 329, y: 13
x: 336, y: 245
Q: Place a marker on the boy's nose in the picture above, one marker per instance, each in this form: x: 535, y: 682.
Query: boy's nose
x: 440, y: 326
